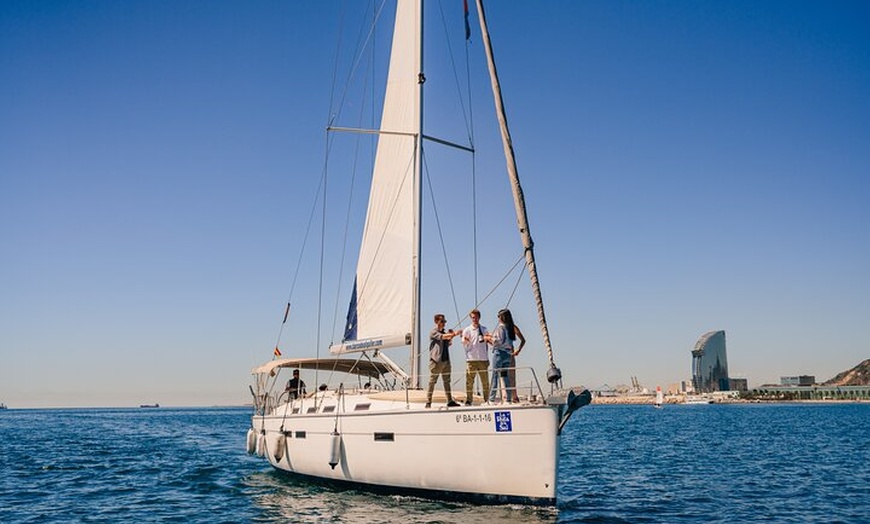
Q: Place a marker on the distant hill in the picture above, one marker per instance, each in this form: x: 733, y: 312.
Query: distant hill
x: 857, y: 376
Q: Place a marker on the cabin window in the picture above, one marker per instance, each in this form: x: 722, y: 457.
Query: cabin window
x: 362, y: 407
x: 295, y: 411
x: 328, y: 409
x: 312, y: 410
x: 384, y: 437
x: 300, y: 434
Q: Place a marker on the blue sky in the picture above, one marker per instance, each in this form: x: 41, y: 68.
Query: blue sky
x: 687, y: 167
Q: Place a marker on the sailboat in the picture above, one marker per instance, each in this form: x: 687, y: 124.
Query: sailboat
x: 370, y: 427
x: 660, y: 397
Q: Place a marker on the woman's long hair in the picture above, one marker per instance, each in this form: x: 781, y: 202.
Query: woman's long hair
x: 505, y: 317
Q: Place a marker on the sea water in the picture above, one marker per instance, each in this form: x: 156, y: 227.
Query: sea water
x: 704, y: 463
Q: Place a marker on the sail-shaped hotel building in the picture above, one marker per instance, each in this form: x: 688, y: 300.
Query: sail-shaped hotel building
x: 710, y: 363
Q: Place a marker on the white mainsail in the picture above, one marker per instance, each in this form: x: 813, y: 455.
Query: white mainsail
x: 385, y: 281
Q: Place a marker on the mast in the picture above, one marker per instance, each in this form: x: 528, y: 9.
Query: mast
x: 416, y: 350
x: 553, y: 375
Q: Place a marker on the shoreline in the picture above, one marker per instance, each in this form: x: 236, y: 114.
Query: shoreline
x: 650, y: 400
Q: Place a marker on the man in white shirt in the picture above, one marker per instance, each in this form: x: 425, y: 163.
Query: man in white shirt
x: 476, y: 356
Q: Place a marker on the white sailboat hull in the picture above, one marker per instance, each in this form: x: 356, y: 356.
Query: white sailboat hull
x: 498, y: 453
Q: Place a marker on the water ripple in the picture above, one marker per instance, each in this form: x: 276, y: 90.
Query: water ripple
x: 716, y: 464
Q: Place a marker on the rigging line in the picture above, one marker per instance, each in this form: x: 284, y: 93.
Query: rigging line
x: 468, y: 118
x: 322, y: 251
x: 347, y: 222
x: 453, y: 68
x: 372, y: 71
x: 474, y: 220
x: 469, y: 92
x: 440, y: 234
x: 470, y: 129
x: 361, y: 47
x: 308, y: 227
x: 381, y: 378
x: 448, y: 143
x: 499, y: 283
x: 338, y: 46
x: 514, y: 290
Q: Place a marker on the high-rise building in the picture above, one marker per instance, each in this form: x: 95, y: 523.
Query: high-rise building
x: 710, y: 363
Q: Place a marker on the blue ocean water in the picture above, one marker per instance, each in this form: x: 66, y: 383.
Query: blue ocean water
x: 707, y: 463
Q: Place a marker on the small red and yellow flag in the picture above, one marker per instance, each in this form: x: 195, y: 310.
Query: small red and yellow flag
x: 277, y: 352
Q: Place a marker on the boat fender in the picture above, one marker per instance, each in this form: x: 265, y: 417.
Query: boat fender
x: 278, y: 452
x: 261, y: 444
x: 252, y: 441
x: 335, y: 452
